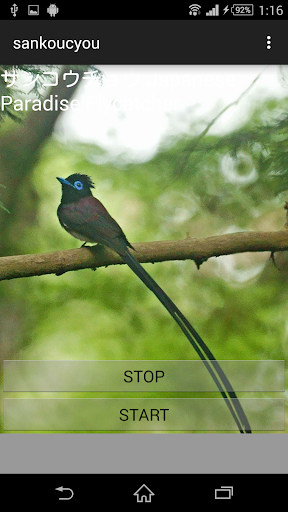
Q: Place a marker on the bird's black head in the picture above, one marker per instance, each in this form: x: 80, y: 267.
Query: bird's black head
x: 75, y: 186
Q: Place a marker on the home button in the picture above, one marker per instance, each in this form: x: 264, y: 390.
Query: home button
x: 144, y: 494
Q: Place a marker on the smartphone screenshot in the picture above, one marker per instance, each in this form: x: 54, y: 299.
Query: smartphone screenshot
x: 143, y: 253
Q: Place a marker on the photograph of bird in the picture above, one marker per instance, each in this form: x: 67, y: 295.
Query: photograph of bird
x: 84, y: 217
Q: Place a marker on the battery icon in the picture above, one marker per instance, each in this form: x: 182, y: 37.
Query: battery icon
x: 242, y: 9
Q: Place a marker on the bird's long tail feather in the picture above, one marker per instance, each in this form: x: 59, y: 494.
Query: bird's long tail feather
x: 222, y: 382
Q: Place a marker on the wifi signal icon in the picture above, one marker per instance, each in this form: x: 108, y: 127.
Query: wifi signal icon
x: 194, y: 9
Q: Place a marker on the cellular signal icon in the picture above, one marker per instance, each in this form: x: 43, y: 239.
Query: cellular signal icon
x: 194, y: 9
x: 214, y: 11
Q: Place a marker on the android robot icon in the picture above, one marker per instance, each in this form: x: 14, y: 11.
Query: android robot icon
x: 52, y: 10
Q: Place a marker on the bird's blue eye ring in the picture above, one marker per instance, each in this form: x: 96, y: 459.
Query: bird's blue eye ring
x: 78, y: 185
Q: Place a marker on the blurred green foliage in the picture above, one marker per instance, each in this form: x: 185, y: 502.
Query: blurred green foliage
x: 237, y: 303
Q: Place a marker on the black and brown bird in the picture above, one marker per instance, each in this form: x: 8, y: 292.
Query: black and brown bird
x: 85, y: 218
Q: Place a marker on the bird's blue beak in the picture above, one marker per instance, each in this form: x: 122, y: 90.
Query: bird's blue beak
x: 64, y: 182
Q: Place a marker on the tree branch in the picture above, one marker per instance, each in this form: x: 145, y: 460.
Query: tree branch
x: 199, y: 250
